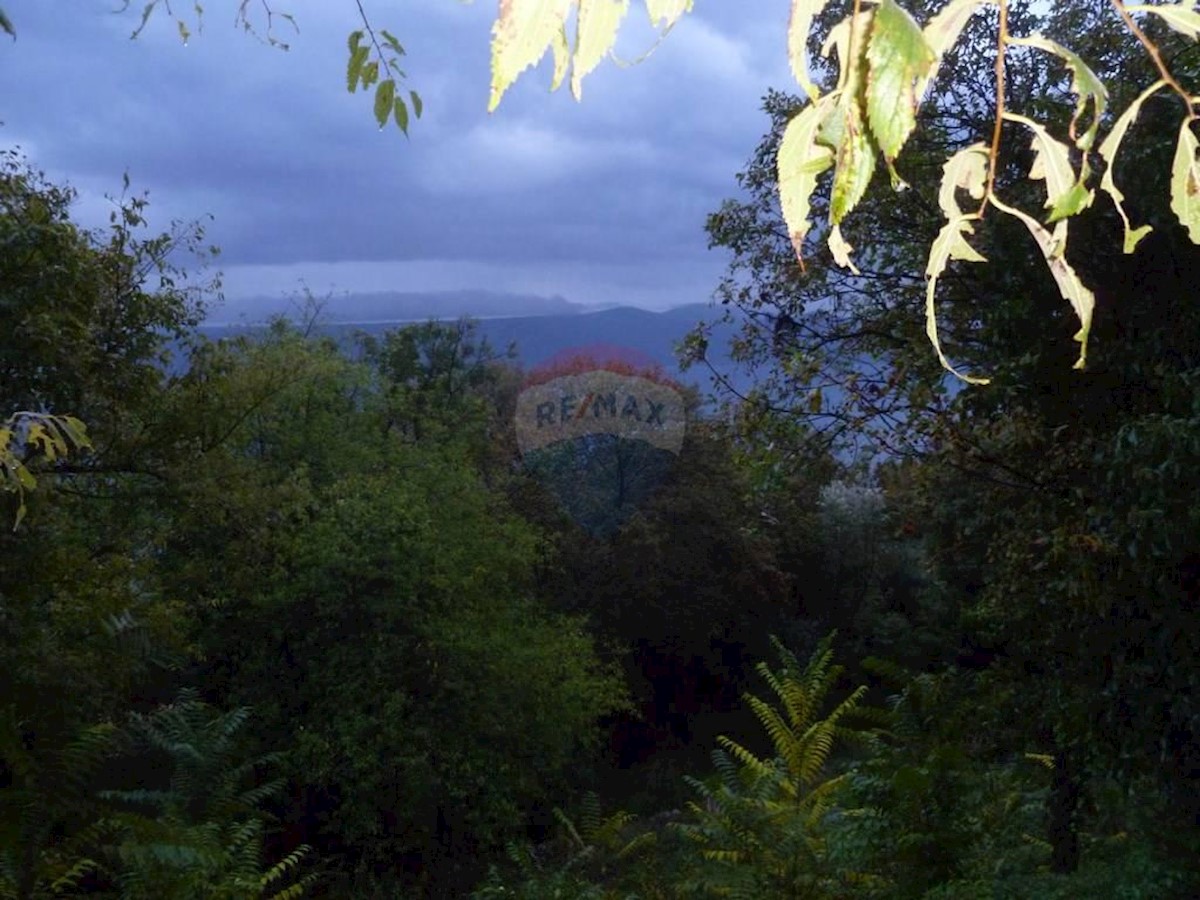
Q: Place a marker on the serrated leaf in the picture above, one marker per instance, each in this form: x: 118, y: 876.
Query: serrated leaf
x: 1051, y: 161
x: 1185, y: 180
x: 1108, y: 152
x: 385, y: 98
x: 943, y: 32
x: 854, y: 30
x: 400, y: 114
x: 798, y: 163
x: 521, y: 35
x: 855, y: 161
x: 354, y: 67
x: 370, y: 73
x: 1182, y: 17
x: 1053, y: 244
x: 1084, y: 84
x: 596, y: 25
x: 667, y: 12
x: 6, y: 25
x: 951, y: 243
x: 965, y: 170
x: 800, y: 22
x: 841, y: 249
x: 899, y: 58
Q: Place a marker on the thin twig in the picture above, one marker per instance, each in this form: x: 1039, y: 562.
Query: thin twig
x: 1163, y: 71
x: 994, y: 152
x: 362, y: 13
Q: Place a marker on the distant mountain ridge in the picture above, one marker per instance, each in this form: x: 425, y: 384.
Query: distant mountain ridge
x: 542, y: 337
x: 397, y: 306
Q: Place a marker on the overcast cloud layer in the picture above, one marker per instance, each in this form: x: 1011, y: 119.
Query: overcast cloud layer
x: 599, y: 202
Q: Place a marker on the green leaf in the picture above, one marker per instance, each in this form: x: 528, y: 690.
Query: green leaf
x: 1074, y: 201
x: 354, y: 39
x: 1185, y: 180
x: 417, y: 105
x: 1051, y: 162
x: 370, y: 73
x: 799, y: 25
x: 6, y: 25
x: 358, y: 57
x: 1108, y: 152
x: 799, y: 161
x: 1086, y: 86
x: 855, y: 158
x: 1053, y: 245
x: 385, y: 98
x: 521, y: 35
x: 1182, y: 17
x: 147, y: 11
x: 667, y: 12
x: 401, y: 115
x: 943, y: 32
x: 390, y: 40
x: 596, y: 25
x: 899, y: 58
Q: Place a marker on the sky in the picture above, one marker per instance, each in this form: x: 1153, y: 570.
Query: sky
x: 601, y: 202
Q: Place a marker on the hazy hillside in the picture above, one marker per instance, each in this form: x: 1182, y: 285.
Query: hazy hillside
x: 540, y: 337
x: 397, y: 306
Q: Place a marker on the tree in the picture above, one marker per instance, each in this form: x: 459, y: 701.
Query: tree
x: 1065, y: 575
x: 761, y: 828
x: 367, y: 594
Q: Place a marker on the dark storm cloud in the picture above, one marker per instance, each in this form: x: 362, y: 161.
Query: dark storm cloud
x: 611, y: 191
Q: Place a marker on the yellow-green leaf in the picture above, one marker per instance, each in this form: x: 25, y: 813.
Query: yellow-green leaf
x: 799, y: 161
x: 1108, y: 152
x: 950, y: 244
x: 841, y: 249
x: 854, y: 30
x: 1185, y: 180
x: 596, y: 25
x: 899, y: 58
x: 942, y: 33
x: 523, y: 32
x: 1051, y: 161
x: 1084, y: 84
x: 799, y: 25
x: 855, y: 158
x: 965, y: 170
x: 1053, y: 244
x: 1182, y: 17
x: 667, y: 12
x: 385, y: 99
